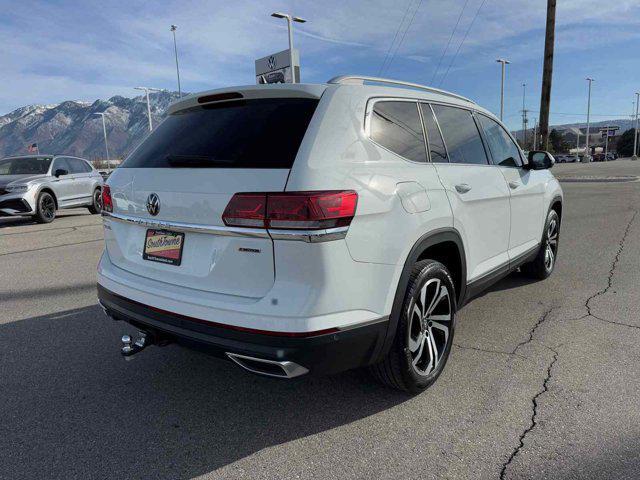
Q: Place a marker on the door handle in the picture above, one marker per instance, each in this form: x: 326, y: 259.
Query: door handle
x: 514, y: 185
x: 463, y: 187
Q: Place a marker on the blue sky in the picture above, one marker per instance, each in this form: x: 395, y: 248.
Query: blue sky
x: 62, y: 49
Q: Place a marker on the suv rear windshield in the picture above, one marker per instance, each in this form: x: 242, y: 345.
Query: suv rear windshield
x: 263, y: 133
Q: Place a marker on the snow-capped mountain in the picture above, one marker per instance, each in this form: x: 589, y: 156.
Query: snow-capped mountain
x: 72, y: 128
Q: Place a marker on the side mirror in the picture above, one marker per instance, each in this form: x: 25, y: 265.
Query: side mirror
x: 60, y: 172
x: 540, y: 160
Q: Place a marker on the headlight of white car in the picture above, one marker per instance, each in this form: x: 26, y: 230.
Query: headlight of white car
x: 17, y: 188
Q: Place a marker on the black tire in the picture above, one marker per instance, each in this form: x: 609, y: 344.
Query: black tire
x: 408, y: 366
x: 96, y: 206
x: 45, y: 208
x: 544, y: 263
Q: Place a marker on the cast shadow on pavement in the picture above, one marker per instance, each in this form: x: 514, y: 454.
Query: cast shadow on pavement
x: 71, y: 407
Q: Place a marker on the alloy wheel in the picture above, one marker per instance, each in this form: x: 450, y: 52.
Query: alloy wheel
x: 551, y: 248
x: 430, y: 318
x: 47, y: 207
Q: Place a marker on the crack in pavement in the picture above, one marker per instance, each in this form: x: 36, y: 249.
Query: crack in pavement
x: 532, y: 332
x: 534, y: 416
x: 485, y: 350
x: 612, y: 271
x: 52, y: 246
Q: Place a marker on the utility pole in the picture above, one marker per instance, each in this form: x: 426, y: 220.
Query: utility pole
x: 290, y: 19
x: 547, y: 73
x: 577, y: 144
x: 503, y: 62
x: 635, y: 130
x: 535, y: 135
x: 587, y: 153
x: 175, y: 49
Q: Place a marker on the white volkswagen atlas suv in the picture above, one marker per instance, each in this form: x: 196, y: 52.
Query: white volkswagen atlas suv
x: 305, y: 228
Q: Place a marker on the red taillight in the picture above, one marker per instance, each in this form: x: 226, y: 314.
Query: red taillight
x: 107, y: 202
x: 291, y: 210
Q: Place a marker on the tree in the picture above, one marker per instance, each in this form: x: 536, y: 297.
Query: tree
x: 625, y: 143
x: 556, y: 142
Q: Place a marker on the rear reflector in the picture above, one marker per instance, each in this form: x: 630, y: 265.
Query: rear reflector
x: 291, y: 210
x: 107, y: 201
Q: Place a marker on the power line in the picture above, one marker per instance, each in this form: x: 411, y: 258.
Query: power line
x: 404, y: 34
x: 406, y: 12
x: 444, y: 52
x: 462, y: 42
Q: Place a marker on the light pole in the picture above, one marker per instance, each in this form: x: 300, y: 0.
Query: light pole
x: 104, y: 130
x: 146, y: 92
x: 175, y: 49
x: 290, y: 19
x: 635, y: 131
x: 524, y: 116
x: 503, y: 62
x: 587, y: 153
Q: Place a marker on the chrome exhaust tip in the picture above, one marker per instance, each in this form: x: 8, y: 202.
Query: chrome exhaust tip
x: 269, y: 368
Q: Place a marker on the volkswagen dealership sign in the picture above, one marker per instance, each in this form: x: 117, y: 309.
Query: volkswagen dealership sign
x: 276, y: 68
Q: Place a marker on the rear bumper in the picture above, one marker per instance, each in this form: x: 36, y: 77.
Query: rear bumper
x: 320, y: 352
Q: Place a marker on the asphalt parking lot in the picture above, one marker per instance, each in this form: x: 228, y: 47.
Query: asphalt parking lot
x: 544, y: 380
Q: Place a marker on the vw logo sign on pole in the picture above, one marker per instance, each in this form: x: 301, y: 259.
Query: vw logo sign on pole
x: 272, y: 62
x: 153, y: 204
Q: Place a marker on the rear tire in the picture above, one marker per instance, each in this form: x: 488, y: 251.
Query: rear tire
x: 425, y: 330
x: 544, y: 263
x: 45, y: 208
x: 96, y: 206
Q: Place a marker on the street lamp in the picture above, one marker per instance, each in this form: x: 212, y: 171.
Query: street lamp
x: 524, y: 116
x: 290, y: 28
x: 635, y: 131
x: 106, y: 146
x: 146, y: 92
x: 503, y: 62
x: 586, y: 145
x: 175, y: 49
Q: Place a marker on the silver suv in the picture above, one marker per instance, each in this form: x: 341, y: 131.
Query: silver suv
x: 38, y: 185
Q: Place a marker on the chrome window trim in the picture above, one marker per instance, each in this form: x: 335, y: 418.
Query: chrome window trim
x: 309, y: 236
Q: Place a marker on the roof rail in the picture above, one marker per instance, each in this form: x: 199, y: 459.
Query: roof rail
x: 359, y: 80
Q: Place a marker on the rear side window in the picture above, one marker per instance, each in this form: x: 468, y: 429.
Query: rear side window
x: 503, y: 150
x: 434, y: 139
x: 461, y: 135
x: 396, y: 126
x: 262, y: 133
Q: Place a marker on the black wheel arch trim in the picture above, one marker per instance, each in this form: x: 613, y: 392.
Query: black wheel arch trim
x: 426, y: 241
x: 48, y: 190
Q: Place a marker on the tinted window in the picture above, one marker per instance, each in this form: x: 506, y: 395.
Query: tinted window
x: 24, y: 166
x: 434, y: 139
x: 396, y: 126
x: 461, y: 135
x: 60, y: 163
x: 503, y: 150
x: 264, y: 133
x: 77, y: 165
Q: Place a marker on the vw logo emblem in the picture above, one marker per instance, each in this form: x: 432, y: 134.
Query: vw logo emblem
x: 272, y: 62
x: 153, y: 204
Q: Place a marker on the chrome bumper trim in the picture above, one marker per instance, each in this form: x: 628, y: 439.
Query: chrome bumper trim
x: 188, y: 227
x: 309, y: 236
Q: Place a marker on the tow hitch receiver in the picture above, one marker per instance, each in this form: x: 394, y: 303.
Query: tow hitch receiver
x: 140, y: 344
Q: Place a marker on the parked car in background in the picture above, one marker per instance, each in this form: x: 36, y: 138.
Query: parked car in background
x: 341, y: 225
x: 39, y: 185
